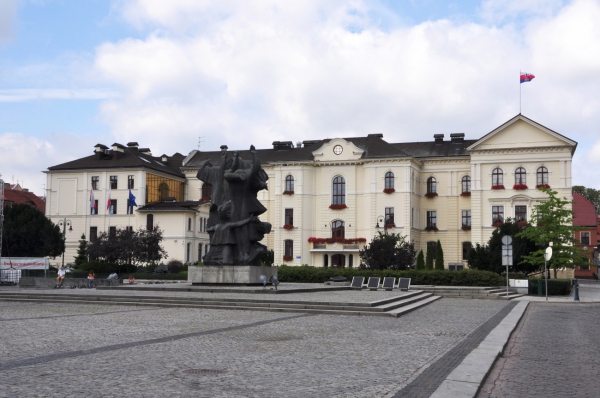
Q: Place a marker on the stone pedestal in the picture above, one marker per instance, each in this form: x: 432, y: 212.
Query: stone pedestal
x: 228, y: 274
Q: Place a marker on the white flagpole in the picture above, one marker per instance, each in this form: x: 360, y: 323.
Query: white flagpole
x: 129, y: 211
x: 108, y: 229
x: 520, y: 84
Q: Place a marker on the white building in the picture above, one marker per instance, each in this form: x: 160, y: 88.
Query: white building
x: 348, y: 188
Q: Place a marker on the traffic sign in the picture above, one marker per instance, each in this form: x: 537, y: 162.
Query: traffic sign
x: 548, y: 254
x: 506, y: 240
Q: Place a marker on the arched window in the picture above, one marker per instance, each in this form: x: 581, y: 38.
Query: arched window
x: 497, y: 176
x: 339, y: 191
x: 289, y: 183
x: 149, y: 222
x: 337, y: 229
x: 338, y: 261
x: 542, y: 176
x: 520, y: 176
x: 389, y: 180
x: 431, y: 185
x: 206, y: 191
x: 189, y: 224
x: 163, y: 191
x: 466, y: 184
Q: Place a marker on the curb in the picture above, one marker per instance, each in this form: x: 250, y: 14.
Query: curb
x: 466, y: 378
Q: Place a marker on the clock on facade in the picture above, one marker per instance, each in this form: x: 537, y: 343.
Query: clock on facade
x: 337, y: 149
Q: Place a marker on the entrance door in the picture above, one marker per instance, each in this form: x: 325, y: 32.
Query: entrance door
x: 338, y: 261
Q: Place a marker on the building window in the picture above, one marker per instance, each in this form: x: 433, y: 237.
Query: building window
x: 113, y: 207
x: 206, y: 191
x: 431, y: 247
x: 520, y: 213
x: 189, y: 223
x: 94, y: 210
x: 205, y: 223
x: 466, y: 184
x: 95, y: 182
x: 585, y: 238
x: 289, y: 184
x: 113, y: 182
x: 288, y: 248
x: 289, y: 216
x: 112, y: 232
x: 200, y: 252
x: 432, y: 219
x: 497, y: 177
x: 339, y: 191
x: 325, y: 260
x: 130, y: 182
x: 466, y: 218
x: 163, y: 191
x: 129, y: 228
x: 466, y: 248
x: 337, y: 229
x: 93, y: 234
x: 149, y: 222
x: 431, y: 185
x: 389, y: 180
x: 350, y: 260
x: 338, y: 261
x: 497, y: 214
x: 187, y: 253
x: 389, y: 217
x: 542, y: 176
x: 520, y: 176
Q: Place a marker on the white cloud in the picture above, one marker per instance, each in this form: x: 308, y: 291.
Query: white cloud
x: 497, y: 11
x: 239, y: 72
x: 8, y: 16
x: 19, y: 95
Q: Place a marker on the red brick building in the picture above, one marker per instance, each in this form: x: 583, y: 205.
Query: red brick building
x: 584, y: 217
x: 14, y: 194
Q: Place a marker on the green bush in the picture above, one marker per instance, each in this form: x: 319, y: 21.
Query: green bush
x: 556, y: 287
x: 307, y: 274
x: 102, y: 268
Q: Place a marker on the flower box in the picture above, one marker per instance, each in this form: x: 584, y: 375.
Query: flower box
x: 389, y: 190
x: 288, y: 192
x: 497, y: 224
x: 338, y: 207
x: 466, y: 227
x: 497, y: 186
x: 522, y: 223
x: 287, y: 258
x: 519, y: 187
x: 288, y: 226
x: 349, y: 241
x: 388, y: 226
x: 431, y: 195
x: 431, y: 228
x: 542, y: 186
x: 465, y: 193
x: 204, y: 199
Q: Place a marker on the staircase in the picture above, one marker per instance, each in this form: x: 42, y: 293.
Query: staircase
x: 393, y: 306
x: 474, y: 292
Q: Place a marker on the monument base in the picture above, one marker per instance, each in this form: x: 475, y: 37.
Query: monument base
x: 229, y: 274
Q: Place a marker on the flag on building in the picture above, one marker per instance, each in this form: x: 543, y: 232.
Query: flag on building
x: 92, y: 201
x: 131, y: 200
x: 526, y: 77
x: 108, y: 201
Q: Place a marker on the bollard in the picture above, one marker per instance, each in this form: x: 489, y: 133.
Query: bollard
x: 576, y: 286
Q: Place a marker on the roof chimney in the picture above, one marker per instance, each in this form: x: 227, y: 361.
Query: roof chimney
x: 457, y: 137
x: 164, y: 158
x: 133, y: 145
x: 118, y: 150
x: 100, y: 150
x: 439, y: 138
x: 145, y: 151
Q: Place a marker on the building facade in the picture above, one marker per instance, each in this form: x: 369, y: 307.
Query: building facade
x: 328, y: 198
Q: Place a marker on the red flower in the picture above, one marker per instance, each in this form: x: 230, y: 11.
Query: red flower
x: 497, y: 186
x: 542, y: 186
x: 389, y: 190
x: 466, y: 193
x: 312, y: 239
x: 431, y: 228
x: 431, y: 195
x: 287, y: 258
x: 466, y: 227
x: 288, y: 226
x: 338, y: 207
x: 519, y: 186
x: 522, y: 223
x: 390, y: 226
x: 497, y: 224
x: 288, y: 192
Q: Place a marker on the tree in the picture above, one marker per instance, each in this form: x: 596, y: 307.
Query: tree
x: 268, y: 258
x: 552, y: 221
x: 479, y: 258
x: 420, y: 261
x: 439, y: 256
x: 429, y: 258
x: 81, y: 252
x: 128, y: 247
x: 388, y: 251
x: 591, y: 194
x: 29, y: 233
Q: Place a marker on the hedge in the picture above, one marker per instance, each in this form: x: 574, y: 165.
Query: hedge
x: 307, y: 274
x: 556, y: 287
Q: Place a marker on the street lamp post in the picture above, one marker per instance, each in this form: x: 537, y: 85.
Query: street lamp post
x: 64, y: 223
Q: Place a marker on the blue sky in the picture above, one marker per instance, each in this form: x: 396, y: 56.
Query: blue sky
x: 75, y: 73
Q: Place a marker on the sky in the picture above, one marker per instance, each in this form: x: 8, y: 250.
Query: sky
x: 180, y: 75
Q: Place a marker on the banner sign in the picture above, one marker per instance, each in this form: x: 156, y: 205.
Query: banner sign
x: 24, y: 263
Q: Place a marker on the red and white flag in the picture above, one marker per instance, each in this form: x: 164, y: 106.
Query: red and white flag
x: 108, y: 201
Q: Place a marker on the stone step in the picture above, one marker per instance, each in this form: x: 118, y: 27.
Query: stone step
x: 401, y: 303
x: 406, y: 309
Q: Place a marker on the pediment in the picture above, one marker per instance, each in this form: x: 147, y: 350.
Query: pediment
x: 336, y: 150
x: 521, y: 132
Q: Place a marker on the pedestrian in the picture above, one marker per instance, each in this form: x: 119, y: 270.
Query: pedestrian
x: 131, y: 280
x: 91, y: 277
x: 61, y: 276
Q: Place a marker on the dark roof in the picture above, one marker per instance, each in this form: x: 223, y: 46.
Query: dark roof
x: 428, y: 149
x: 188, y: 205
x: 584, y: 212
x: 129, y: 158
x: 22, y: 197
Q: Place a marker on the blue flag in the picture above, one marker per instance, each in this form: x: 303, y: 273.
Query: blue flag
x: 131, y: 199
